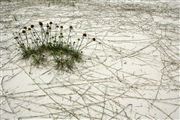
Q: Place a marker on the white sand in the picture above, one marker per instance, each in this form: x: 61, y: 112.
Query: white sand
x: 130, y: 72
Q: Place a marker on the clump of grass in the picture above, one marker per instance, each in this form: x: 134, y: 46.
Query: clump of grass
x: 49, y: 44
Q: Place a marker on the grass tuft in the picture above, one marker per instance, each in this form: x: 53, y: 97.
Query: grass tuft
x: 43, y: 45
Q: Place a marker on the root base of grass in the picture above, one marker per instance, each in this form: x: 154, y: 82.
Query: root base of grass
x: 63, y: 55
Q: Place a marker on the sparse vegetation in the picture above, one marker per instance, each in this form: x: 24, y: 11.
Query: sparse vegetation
x: 47, y: 44
x: 125, y: 68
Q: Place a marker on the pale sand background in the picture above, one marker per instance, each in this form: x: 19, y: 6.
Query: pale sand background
x: 130, y: 72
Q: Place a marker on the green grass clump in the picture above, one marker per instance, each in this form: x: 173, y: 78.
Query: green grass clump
x: 49, y: 44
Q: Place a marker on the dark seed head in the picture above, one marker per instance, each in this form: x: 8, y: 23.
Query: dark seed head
x: 47, y: 33
x: 22, y: 44
x: 25, y: 28
x: 29, y: 28
x: 61, y: 36
x: 23, y: 31
x: 32, y: 26
x: 57, y: 26
x: 61, y: 27
x: 47, y: 25
x: 41, y: 24
x: 50, y: 23
x: 94, y: 39
x: 50, y: 28
x: 70, y: 27
x: 16, y: 37
x: 84, y: 35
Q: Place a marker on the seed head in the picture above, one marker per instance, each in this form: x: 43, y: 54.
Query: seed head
x: 47, y: 25
x: 61, y: 35
x: 84, y: 35
x: 50, y: 23
x: 70, y: 27
x: 94, y: 39
x: 22, y: 44
x: 29, y: 29
x: 61, y: 27
x: 23, y: 31
x: 16, y: 37
x: 32, y: 26
x: 41, y: 24
x: 25, y: 28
